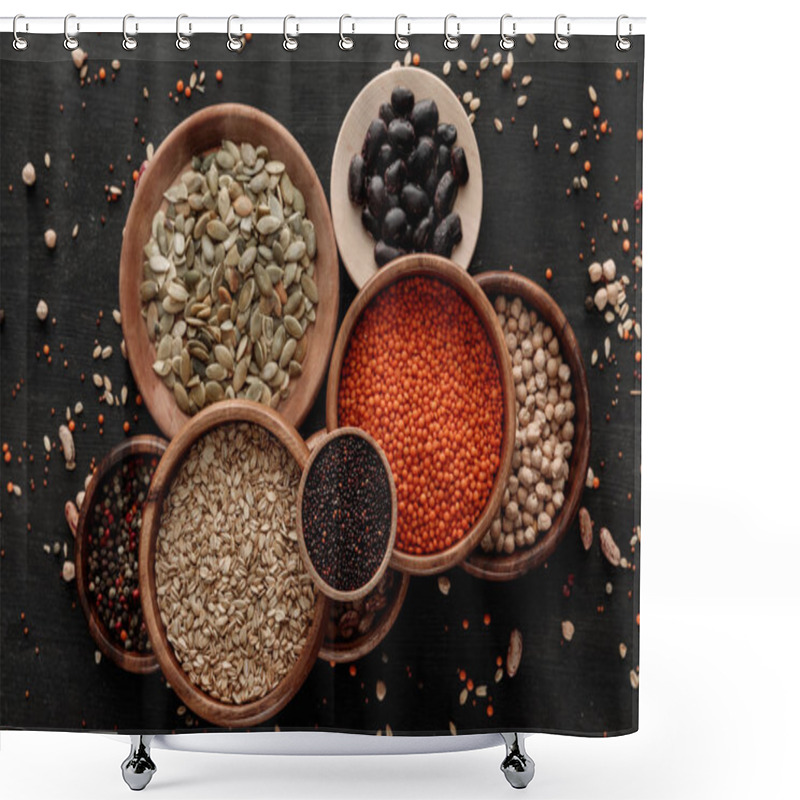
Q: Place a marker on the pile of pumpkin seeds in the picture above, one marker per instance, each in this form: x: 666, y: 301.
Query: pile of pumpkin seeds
x: 229, y: 291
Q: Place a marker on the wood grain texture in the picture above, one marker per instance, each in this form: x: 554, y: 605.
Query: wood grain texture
x: 337, y: 594
x: 198, y: 134
x: 494, y: 567
x: 205, y: 706
x: 346, y: 651
x: 435, y: 267
x: 355, y: 243
x: 141, y: 663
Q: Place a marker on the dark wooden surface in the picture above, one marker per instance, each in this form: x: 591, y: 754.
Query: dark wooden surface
x: 528, y: 222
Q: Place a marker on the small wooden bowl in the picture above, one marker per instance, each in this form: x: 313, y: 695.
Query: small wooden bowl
x: 130, y: 661
x: 205, y: 706
x: 431, y: 266
x: 355, y: 244
x: 322, y: 584
x: 198, y: 134
x: 501, y: 567
x: 351, y: 650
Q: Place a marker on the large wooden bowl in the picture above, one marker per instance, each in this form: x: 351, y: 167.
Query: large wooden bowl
x: 430, y: 266
x: 198, y: 134
x: 130, y: 661
x: 343, y: 652
x: 501, y: 567
x: 355, y: 243
x: 205, y: 706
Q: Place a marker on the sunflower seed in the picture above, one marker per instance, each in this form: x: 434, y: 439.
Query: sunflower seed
x: 514, y: 655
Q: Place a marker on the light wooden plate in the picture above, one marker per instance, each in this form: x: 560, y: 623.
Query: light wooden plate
x: 355, y: 244
x: 198, y: 134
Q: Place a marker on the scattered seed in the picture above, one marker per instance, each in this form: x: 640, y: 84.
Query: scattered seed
x: 475, y: 104
x: 98, y: 349
x: 623, y: 650
x: 497, y: 57
x: 609, y: 588
x: 47, y: 160
x: 68, y: 571
x: 498, y: 125
x: 463, y: 695
x: 71, y: 513
x: 98, y: 656
x: 380, y: 691
x: 506, y: 72
x: 592, y: 94
x: 573, y: 148
x: 75, y: 230
x: 567, y: 630
x: 78, y: 407
x: 521, y: 100
x: 535, y: 131
x: 79, y: 56
x: 461, y: 64
x: 29, y: 174
x: 530, y: 38
x: 567, y: 123
x: 634, y: 679
x: 453, y: 730
x: 106, y: 352
x: 514, y: 655
x: 484, y: 63
x: 481, y: 691
x: 609, y: 547
x: 594, y: 357
x: 68, y: 446
x: 41, y: 310
x: 498, y: 675
x: 446, y: 68
x: 476, y: 40
x: 50, y: 238
x: 47, y: 444
x: 444, y: 585
x: 607, y: 346
x: 585, y: 521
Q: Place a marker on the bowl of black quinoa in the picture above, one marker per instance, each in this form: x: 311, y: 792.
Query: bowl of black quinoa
x: 107, y: 552
x: 347, y: 507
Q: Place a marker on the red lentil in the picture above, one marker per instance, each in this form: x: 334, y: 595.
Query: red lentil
x: 421, y: 377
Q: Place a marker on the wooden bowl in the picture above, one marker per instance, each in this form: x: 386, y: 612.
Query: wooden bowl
x: 198, y: 134
x: 205, y: 706
x: 501, y: 567
x: 351, y: 650
x: 322, y: 584
x: 355, y: 243
x: 431, y: 266
x: 130, y: 661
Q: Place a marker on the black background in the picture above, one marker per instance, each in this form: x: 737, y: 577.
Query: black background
x: 529, y: 222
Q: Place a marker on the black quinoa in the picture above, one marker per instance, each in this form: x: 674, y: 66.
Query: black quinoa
x: 113, y: 556
x: 347, y: 512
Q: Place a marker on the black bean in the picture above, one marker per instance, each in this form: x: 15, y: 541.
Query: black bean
x: 401, y: 136
x: 386, y: 113
x: 414, y: 200
x: 395, y: 176
x: 393, y: 228
x: 442, y: 160
x: 376, y: 136
x: 423, y: 232
x: 445, y: 195
x: 431, y: 183
x: 355, y: 179
x: 384, y: 253
x: 376, y: 197
x: 370, y: 223
x: 447, y: 235
x: 425, y: 117
x: 402, y: 101
x: 421, y: 160
x: 446, y: 134
x: 385, y: 157
x: 458, y: 159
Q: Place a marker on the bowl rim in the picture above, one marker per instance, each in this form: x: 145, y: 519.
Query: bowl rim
x: 338, y: 594
x: 130, y: 661
x: 208, y: 708
x: 502, y: 567
x: 166, y: 414
x: 466, y: 249
x: 352, y: 650
x: 435, y: 267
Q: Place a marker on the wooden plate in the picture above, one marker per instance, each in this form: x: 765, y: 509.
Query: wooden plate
x: 501, y: 567
x: 431, y: 266
x: 355, y: 244
x: 322, y: 584
x: 205, y: 706
x: 198, y: 134
x: 130, y: 661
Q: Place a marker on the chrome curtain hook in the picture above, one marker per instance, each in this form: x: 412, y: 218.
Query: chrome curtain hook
x: 623, y: 43
x: 506, y: 41
x: 401, y: 42
x: 235, y: 43
x: 19, y: 42
x: 561, y: 42
x: 70, y: 42
x: 182, y: 43
x: 290, y: 42
x: 345, y: 42
x: 129, y: 42
x: 450, y: 41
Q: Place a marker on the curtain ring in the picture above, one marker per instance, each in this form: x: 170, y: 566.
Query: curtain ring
x: 345, y: 42
x: 623, y: 43
x: 506, y: 41
x: 182, y: 43
x: 561, y: 42
x: 235, y: 43
x: 450, y: 41
x: 128, y: 42
x: 401, y: 42
x: 70, y: 42
x: 289, y: 42
x: 19, y: 42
